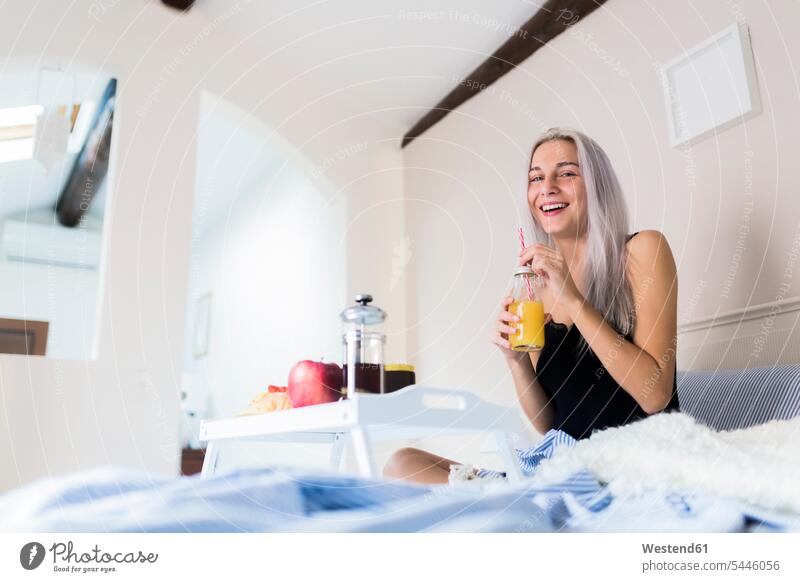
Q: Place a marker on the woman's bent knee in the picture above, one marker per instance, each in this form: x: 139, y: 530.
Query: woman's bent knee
x: 403, y: 462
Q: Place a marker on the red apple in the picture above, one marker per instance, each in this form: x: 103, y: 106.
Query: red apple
x: 314, y: 383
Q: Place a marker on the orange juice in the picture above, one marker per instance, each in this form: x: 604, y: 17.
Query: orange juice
x: 529, y: 336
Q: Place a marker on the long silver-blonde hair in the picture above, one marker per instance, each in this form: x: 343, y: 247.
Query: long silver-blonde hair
x: 607, y: 226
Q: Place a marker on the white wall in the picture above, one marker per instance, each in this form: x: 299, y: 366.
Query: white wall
x: 51, y: 273
x: 64, y: 297
x: 271, y: 237
x: 273, y: 260
x: 462, y: 188
x: 123, y: 408
x: 728, y: 205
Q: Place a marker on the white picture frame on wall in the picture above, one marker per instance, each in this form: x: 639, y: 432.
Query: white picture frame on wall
x: 202, y: 325
x: 711, y: 87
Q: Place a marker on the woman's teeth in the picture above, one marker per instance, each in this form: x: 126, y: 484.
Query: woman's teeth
x: 550, y: 209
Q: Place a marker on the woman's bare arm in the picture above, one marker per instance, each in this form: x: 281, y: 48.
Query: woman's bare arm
x: 532, y: 397
x: 645, y: 367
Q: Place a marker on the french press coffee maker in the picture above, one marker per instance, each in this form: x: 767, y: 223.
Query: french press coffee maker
x: 363, y: 350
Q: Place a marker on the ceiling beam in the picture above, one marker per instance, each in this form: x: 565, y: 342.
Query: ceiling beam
x: 549, y: 21
x: 91, y: 164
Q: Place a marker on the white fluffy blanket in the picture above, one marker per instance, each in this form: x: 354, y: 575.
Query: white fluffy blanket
x: 672, y: 452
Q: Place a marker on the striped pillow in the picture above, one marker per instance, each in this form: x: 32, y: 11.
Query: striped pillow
x: 731, y: 399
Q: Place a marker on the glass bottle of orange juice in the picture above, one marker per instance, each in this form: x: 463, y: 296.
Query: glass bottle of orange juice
x: 526, y: 305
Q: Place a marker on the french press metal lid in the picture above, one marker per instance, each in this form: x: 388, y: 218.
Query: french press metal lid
x: 362, y: 313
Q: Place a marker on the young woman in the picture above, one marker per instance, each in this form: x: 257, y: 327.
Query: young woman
x: 611, y: 299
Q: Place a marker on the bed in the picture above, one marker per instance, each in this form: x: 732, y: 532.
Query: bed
x: 727, y: 462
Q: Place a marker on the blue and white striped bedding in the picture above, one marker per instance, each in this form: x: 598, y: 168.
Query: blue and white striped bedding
x: 285, y: 499
x: 732, y: 399
x: 530, y: 458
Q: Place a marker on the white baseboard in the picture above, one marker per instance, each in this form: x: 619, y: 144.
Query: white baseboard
x: 759, y: 335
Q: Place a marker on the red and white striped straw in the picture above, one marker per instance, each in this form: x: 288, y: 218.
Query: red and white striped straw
x: 527, y: 279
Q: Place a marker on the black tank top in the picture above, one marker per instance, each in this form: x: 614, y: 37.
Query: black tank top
x: 584, y: 395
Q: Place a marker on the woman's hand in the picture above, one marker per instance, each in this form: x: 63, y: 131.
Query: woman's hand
x: 553, y: 268
x: 506, y: 325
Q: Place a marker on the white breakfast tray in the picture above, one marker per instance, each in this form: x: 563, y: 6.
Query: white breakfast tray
x: 413, y: 412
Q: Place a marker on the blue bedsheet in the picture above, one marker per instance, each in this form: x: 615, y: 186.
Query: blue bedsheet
x: 286, y: 499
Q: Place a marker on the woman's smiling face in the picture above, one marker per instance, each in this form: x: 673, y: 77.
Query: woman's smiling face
x: 556, y: 191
